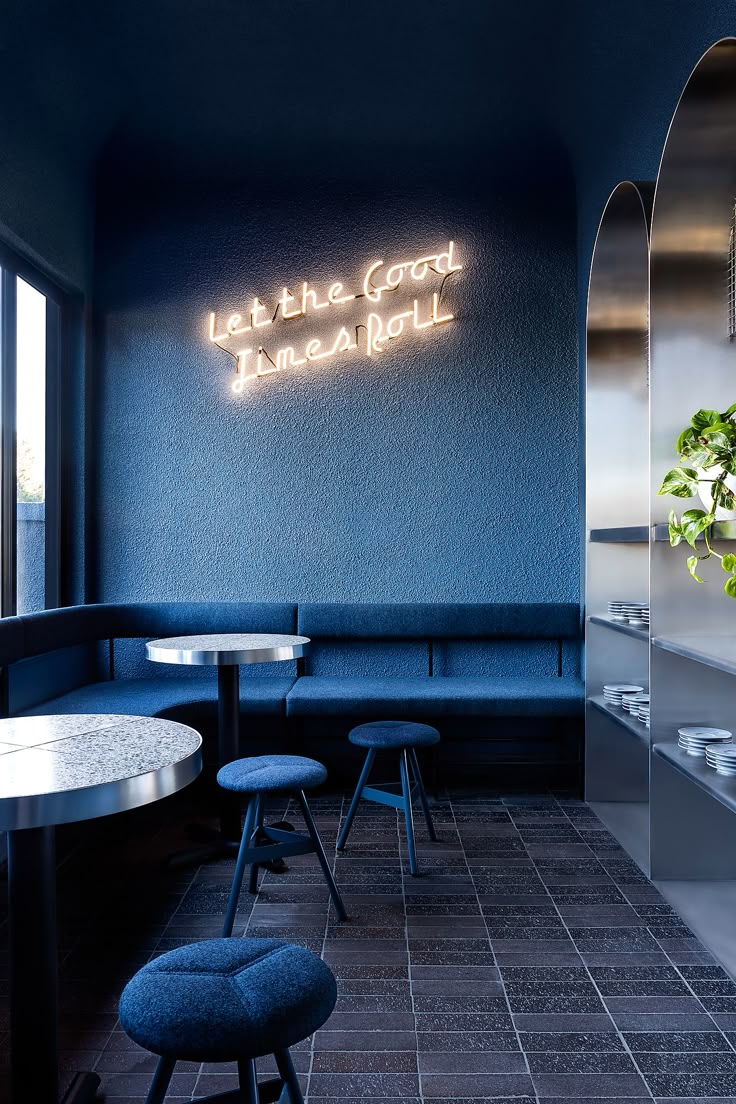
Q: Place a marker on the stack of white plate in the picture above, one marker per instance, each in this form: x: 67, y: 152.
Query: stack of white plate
x: 633, y: 611
x: 722, y: 757
x: 644, y: 615
x: 616, y: 611
x: 695, y: 740
x: 643, y: 709
x: 632, y: 702
x: 614, y: 692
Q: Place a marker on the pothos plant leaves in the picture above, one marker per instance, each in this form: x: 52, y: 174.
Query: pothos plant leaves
x: 707, y: 449
x: 692, y: 563
x: 694, y: 522
x: 681, y: 482
x: 703, y: 419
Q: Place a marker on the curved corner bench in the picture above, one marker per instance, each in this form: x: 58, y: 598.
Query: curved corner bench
x: 89, y: 659
x: 502, y: 675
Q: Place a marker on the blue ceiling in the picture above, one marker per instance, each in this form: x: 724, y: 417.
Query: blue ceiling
x: 223, y: 88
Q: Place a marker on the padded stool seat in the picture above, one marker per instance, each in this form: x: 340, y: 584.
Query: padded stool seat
x: 225, y: 999
x: 394, y: 734
x: 271, y: 773
x: 228, y: 1000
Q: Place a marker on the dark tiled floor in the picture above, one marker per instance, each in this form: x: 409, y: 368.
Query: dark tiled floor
x: 532, y: 960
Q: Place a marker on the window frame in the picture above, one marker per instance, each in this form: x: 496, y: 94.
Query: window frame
x: 63, y: 312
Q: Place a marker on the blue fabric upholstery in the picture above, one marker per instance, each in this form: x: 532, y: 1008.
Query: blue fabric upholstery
x: 394, y: 734
x: 226, y: 999
x: 264, y: 773
x: 412, y: 621
x: 11, y: 640
x: 152, y: 619
x: 152, y: 697
x: 510, y: 658
x: 61, y: 628
x: 426, y: 697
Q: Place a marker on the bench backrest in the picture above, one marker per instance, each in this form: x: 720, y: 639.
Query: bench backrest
x: 441, y: 638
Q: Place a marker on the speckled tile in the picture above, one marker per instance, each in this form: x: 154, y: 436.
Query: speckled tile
x: 599, y: 1062
x: 503, y: 940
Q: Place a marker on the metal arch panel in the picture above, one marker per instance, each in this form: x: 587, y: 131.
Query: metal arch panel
x: 617, y: 493
x: 693, y: 365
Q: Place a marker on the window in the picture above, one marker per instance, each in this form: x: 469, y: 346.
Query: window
x: 31, y: 313
x: 30, y: 454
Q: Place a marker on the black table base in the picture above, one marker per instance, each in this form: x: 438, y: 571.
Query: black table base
x: 216, y: 843
x: 34, y: 1066
x: 228, y: 745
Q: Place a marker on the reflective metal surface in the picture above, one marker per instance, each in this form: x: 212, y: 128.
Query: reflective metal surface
x: 617, y: 486
x: 227, y: 648
x: 60, y: 769
x: 617, y: 337
x: 693, y: 365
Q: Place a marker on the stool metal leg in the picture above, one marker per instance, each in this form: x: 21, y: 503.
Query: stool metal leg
x: 232, y: 905
x: 408, y: 811
x: 161, y: 1079
x: 356, y: 799
x: 320, y: 852
x: 258, y: 818
x: 422, y: 794
x: 289, y: 1077
x: 248, y: 1081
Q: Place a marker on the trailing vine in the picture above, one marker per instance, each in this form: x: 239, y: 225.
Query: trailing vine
x: 707, y: 449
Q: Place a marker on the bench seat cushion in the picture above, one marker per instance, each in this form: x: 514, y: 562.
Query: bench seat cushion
x: 316, y: 695
x: 153, y: 697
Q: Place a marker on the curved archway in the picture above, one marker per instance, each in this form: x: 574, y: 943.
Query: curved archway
x: 617, y: 484
x: 617, y: 338
x: 693, y: 354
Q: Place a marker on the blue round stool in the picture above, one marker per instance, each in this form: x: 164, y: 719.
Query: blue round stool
x: 229, y: 1000
x: 256, y: 777
x: 404, y: 737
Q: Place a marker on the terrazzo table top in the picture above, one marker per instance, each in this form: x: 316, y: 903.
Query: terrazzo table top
x: 59, y: 769
x: 227, y: 648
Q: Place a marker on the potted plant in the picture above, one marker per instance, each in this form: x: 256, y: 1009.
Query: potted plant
x: 707, y: 470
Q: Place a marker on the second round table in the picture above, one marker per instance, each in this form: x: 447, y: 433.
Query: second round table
x: 227, y: 652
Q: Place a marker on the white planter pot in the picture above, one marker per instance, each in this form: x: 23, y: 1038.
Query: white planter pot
x: 704, y: 490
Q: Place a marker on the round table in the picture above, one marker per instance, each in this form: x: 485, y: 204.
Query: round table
x: 227, y: 652
x: 55, y: 770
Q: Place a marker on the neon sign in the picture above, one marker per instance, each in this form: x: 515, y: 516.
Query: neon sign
x: 369, y: 336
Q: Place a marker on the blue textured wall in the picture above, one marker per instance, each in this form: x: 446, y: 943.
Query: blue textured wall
x: 443, y: 470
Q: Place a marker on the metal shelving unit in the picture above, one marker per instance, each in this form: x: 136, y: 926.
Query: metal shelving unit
x: 620, y: 626
x: 718, y: 652
x: 660, y: 347
x: 623, y: 534
x: 617, y: 766
x: 693, y: 653
x: 620, y: 717
x: 721, y: 787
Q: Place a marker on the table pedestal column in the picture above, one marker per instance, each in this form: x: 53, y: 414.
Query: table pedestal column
x: 228, y: 748
x: 34, y: 972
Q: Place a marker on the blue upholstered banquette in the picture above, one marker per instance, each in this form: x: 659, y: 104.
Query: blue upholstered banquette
x: 466, y: 666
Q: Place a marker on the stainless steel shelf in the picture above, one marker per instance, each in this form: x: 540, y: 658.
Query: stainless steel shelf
x: 719, y: 786
x: 620, y: 626
x: 625, y: 534
x: 722, y: 531
x: 619, y: 717
x: 640, y: 534
x: 712, y: 651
